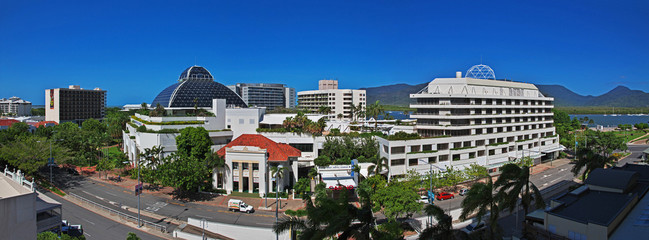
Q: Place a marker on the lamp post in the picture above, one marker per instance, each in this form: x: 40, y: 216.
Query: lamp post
x: 279, y: 168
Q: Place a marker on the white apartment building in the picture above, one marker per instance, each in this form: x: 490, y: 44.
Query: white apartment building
x: 328, y: 95
x: 15, y: 106
x: 474, y: 119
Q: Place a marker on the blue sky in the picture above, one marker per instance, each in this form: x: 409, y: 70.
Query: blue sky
x: 134, y: 49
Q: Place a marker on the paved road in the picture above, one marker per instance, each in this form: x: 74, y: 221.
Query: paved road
x: 94, y: 225
x: 114, y: 197
x: 636, y: 154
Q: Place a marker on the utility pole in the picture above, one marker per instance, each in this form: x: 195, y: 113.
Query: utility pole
x: 138, y: 195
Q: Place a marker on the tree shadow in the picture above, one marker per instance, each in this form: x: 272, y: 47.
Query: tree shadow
x: 187, y: 196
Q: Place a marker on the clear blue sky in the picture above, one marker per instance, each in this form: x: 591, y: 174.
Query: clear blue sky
x: 134, y: 49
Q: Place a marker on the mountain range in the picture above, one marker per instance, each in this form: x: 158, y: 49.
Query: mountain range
x: 620, y: 96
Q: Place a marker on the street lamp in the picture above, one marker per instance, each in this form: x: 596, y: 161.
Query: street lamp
x: 50, y: 161
x: 279, y: 168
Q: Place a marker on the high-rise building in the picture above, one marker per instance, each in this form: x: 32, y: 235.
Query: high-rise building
x: 475, y: 119
x: 269, y: 95
x: 340, y: 102
x: 15, y: 106
x: 74, y: 104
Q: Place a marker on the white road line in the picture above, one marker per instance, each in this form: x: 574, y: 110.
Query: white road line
x: 111, y: 194
x: 267, y: 224
x: 203, y: 216
x: 87, y: 234
x: 89, y: 222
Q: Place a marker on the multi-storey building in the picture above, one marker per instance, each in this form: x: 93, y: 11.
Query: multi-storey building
x: 15, y: 106
x: 474, y: 119
x: 74, y: 104
x: 340, y: 101
x: 269, y: 95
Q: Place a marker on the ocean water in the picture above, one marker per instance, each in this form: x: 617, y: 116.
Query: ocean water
x: 599, y: 119
x: 613, y: 121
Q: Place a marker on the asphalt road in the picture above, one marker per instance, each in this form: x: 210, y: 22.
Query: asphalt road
x: 94, y: 225
x: 636, y: 154
x: 115, y: 197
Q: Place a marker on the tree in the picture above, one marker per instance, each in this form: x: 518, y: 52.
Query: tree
x: 132, y: 236
x: 185, y: 173
x: 340, y: 116
x: 374, y: 110
x: 324, y: 109
x: 380, y: 167
x: 105, y: 165
x: 453, y: 176
x: 482, y: 200
x: 396, y: 199
x: 514, y: 182
x: 278, y: 173
x: 303, y: 185
x: 194, y: 142
x: 29, y: 153
x: 443, y: 230
x: 322, y: 161
x: 476, y: 172
x: 589, y: 160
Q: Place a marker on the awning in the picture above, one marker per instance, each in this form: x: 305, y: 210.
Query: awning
x: 554, y: 149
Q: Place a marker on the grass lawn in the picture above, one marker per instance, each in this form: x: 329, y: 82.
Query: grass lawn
x: 244, y: 194
x: 630, y: 134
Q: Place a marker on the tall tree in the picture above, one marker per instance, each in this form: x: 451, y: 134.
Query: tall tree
x: 374, y: 110
x: 380, y: 167
x: 443, y: 230
x: 194, y: 142
x: 514, y: 183
x: 482, y: 200
x: 589, y: 160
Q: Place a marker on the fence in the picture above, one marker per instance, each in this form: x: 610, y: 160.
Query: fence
x: 120, y: 214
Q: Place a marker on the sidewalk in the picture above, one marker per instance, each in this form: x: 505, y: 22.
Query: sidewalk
x: 217, y: 200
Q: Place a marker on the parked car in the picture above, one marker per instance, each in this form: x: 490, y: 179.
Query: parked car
x: 474, y: 227
x: 239, y: 206
x: 423, y: 199
x: 444, y: 196
x: 464, y: 191
x: 71, y: 230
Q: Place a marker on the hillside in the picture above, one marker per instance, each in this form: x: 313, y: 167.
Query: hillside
x: 620, y: 96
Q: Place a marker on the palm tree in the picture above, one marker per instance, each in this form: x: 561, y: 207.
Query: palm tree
x: 340, y: 116
x: 278, y: 172
x: 589, y: 160
x: 482, y: 199
x: 444, y: 227
x: 360, y: 112
x: 379, y: 168
x: 324, y: 109
x: 514, y: 182
x: 374, y: 110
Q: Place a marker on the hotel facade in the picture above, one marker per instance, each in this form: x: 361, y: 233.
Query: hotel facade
x: 328, y: 95
x: 474, y: 119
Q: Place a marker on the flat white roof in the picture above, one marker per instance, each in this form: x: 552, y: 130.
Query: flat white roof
x: 9, y: 188
x: 278, y: 118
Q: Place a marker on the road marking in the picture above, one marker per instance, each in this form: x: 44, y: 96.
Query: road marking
x: 561, y: 170
x: 179, y: 204
x: 111, y: 194
x: 87, y: 234
x: 89, y: 222
x: 267, y: 224
x: 203, y: 216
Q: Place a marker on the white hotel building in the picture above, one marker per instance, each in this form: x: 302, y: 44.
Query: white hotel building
x: 328, y: 95
x: 475, y: 119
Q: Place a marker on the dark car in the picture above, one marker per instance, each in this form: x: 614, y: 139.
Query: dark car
x: 444, y: 196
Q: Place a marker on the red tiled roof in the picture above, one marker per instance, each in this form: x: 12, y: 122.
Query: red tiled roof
x: 42, y: 123
x: 276, y: 151
x: 7, y: 122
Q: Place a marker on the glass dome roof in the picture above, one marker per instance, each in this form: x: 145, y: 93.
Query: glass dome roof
x: 196, y: 87
x: 481, y: 71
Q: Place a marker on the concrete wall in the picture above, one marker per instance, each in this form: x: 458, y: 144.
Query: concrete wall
x: 243, y: 120
x: 18, y: 217
x: 239, y: 232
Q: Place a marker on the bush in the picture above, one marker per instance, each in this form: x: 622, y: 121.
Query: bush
x: 281, y: 195
x: 322, y: 161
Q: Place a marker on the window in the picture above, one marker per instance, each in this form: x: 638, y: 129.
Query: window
x: 397, y: 162
x: 396, y: 150
x: 252, y: 121
x: 432, y: 160
x: 492, y: 152
x: 413, y: 162
x: 241, y: 121
x: 255, y: 166
x: 456, y: 157
x: 443, y: 158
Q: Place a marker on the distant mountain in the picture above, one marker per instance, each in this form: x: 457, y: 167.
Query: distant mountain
x: 620, y: 96
x: 397, y: 94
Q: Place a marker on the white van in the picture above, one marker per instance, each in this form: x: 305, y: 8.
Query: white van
x: 237, y: 205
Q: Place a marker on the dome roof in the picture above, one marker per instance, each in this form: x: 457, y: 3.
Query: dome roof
x: 196, y: 87
x: 481, y: 71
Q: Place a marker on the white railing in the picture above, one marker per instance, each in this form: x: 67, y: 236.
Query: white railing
x: 119, y: 214
x: 19, y: 178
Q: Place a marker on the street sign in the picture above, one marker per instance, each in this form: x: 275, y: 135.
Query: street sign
x: 138, y: 189
x: 431, y: 197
